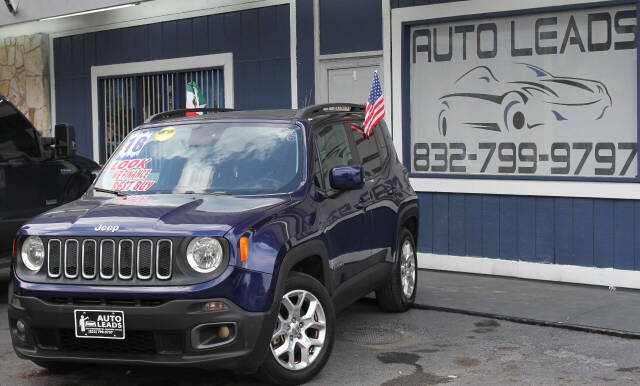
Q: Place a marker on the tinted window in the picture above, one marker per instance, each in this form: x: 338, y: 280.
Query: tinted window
x: 317, y: 171
x: 17, y: 136
x: 379, y: 132
x: 368, y: 151
x: 333, y: 148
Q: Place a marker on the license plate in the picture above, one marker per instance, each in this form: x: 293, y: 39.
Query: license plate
x: 104, y: 324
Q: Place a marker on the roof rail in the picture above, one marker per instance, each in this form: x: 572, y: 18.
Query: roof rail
x: 330, y: 108
x: 182, y: 112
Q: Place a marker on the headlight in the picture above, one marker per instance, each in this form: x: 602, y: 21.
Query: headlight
x: 205, y: 254
x: 32, y: 253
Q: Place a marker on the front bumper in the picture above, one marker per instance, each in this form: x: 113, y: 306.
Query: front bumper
x: 167, y: 333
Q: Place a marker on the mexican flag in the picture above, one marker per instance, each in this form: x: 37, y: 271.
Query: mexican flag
x: 195, y: 99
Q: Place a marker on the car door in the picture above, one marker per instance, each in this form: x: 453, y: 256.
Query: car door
x: 380, y: 209
x: 20, y: 178
x: 341, y: 213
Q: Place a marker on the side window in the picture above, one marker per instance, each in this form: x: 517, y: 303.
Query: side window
x: 317, y: 171
x: 379, y: 134
x: 368, y: 151
x: 333, y: 149
x: 17, y: 137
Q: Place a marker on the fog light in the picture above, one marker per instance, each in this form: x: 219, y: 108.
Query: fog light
x: 214, y: 306
x: 223, y: 332
x: 20, y: 327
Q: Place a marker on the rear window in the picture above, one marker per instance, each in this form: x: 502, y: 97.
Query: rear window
x: 17, y: 136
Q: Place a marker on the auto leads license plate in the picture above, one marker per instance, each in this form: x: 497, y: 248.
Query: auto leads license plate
x: 105, y: 324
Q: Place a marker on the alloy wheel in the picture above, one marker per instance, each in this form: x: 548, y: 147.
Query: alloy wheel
x: 300, y: 330
x: 407, y: 268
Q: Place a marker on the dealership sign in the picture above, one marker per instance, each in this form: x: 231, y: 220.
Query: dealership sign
x: 551, y: 94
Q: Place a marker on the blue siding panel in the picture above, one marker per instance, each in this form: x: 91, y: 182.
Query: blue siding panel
x: 473, y: 226
x: 425, y: 230
x: 623, y: 257
x: 509, y: 227
x: 441, y: 223
x: 184, y: 35
x: 636, y: 234
x: 258, y: 38
x: 456, y: 225
x: 563, y: 220
x: 603, y: 233
x: 491, y: 226
x: 350, y: 26
x: 544, y: 230
x: 153, y: 42
x: 200, y: 35
x: 583, y: 232
x: 526, y: 228
x: 555, y: 230
x: 305, y: 50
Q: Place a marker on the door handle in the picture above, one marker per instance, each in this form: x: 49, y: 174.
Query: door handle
x: 390, y: 191
x: 361, y: 204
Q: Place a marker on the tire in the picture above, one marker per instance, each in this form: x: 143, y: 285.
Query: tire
x: 273, y: 370
x: 58, y: 367
x: 391, y: 296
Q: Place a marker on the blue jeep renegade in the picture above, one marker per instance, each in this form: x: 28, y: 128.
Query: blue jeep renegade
x: 224, y: 240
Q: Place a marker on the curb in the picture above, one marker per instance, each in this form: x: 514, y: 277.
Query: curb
x: 534, y: 322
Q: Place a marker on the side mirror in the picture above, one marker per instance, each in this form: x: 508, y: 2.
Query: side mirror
x: 66, y: 145
x: 346, y: 177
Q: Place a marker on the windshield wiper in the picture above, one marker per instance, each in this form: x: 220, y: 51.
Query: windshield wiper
x: 216, y: 193
x: 116, y: 192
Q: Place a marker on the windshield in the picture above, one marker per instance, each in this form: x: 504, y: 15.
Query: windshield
x: 221, y: 158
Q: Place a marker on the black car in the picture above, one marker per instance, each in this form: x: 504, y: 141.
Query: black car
x: 36, y: 173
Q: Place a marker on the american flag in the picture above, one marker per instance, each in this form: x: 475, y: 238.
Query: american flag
x: 375, y: 106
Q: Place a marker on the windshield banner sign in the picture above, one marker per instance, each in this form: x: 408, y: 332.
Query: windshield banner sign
x: 550, y: 94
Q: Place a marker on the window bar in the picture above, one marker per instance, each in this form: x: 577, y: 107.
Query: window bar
x: 104, y: 117
x: 126, y: 106
x: 129, y: 107
x: 115, y: 111
x: 118, y: 107
x: 111, y: 133
x: 149, y: 106
x: 154, y: 93
x: 120, y: 103
x: 132, y: 115
x: 146, y: 98
x: 218, y: 88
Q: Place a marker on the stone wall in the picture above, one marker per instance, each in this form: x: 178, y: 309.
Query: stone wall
x: 24, y: 77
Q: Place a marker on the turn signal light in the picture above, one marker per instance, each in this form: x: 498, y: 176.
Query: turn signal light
x: 244, y: 248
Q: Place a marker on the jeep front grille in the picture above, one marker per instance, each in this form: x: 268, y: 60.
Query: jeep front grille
x: 110, y: 258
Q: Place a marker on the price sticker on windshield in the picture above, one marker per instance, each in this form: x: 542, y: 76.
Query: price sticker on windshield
x: 134, y: 144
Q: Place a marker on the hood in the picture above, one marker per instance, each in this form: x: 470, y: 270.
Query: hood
x: 151, y: 215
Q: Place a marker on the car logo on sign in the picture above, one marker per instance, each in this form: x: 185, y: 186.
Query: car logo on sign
x: 106, y: 228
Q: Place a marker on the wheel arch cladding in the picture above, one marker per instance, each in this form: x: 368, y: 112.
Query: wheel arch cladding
x: 409, y: 217
x: 309, y: 255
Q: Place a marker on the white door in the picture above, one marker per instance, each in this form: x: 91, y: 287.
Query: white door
x: 347, y: 80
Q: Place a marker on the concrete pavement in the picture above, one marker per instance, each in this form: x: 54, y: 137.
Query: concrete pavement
x: 531, y: 301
